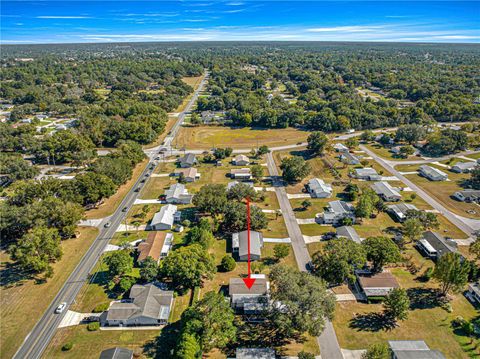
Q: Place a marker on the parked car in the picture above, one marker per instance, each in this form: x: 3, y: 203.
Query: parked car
x: 61, y: 308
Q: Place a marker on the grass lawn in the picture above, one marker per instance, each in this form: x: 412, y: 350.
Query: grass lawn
x: 315, y: 229
x: 385, y: 153
x: 206, y: 137
x: 90, y: 344
x: 475, y: 156
x: 22, y: 303
x: 111, y: 204
x: 156, y: 186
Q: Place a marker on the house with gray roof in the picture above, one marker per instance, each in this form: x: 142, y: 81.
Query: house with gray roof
x: 340, y: 147
x: 376, y: 285
x: 412, y: 349
x: 164, y: 219
x: 178, y: 194
x: 464, y: 167
x: 386, y: 191
x: 255, y: 353
x: 318, y: 188
x: 474, y: 291
x: 240, y: 245
x: 232, y: 184
x: 349, y: 158
x: 349, y: 233
x: 433, y: 245
x: 148, y: 305
x: 249, y: 300
x: 336, y: 211
x: 188, y: 160
x: 241, y: 160
x: 367, y: 174
x: 116, y: 353
x: 189, y: 174
x: 432, y: 173
x: 399, y: 210
x: 242, y: 174
x: 468, y: 195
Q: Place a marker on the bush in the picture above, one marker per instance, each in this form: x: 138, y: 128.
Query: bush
x: 126, y: 283
x: 305, y: 355
x: 228, y: 263
x: 91, y: 327
x: 101, y: 308
x: 67, y: 346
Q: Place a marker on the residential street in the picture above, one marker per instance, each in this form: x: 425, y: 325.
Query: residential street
x: 329, y: 347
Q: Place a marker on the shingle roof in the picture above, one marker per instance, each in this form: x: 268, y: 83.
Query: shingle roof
x: 377, y: 284
x: 237, y: 286
x: 413, y: 349
x: 385, y: 189
x: 400, y: 209
x: 363, y: 172
x: 165, y: 215
x: 340, y: 207
x: 348, y: 232
x: 465, y: 165
x: 152, y: 246
x: 176, y: 191
x: 190, y: 172
x: 239, y: 158
x: 240, y: 240
x: 189, y: 158
x: 439, y: 243
x: 318, y: 185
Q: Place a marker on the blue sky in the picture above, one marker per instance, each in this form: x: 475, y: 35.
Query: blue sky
x: 212, y: 20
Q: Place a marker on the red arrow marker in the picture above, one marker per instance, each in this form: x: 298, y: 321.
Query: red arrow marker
x: 249, y: 281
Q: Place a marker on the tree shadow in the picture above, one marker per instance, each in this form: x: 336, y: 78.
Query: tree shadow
x: 425, y: 298
x: 163, y: 345
x: 12, y: 275
x: 372, y: 322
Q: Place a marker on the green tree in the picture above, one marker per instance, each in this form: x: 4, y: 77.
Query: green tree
x: 305, y: 302
x: 211, y: 198
x: 94, y: 187
x: 337, y: 260
x: 263, y: 150
x: 37, y: 249
x: 317, y: 142
x: 119, y: 170
x: 397, y: 304
x: 281, y: 251
x: 412, y: 229
x: 366, y: 203
x: 241, y: 191
x: 428, y: 220
x: 452, y: 273
x: 200, y: 235
x: 211, y: 320
x: 475, y: 178
x: 257, y: 172
x: 377, y: 351
x: 188, y: 347
x: 235, y: 217
x: 367, y: 136
x: 380, y: 251
x: 406, y: 151
x: 119, y: 262
x: 294, y: 168
x: 475, y: 248
x: 228, y: 263
x: 352, y: 191
x: 148, y: 270
x: 305, y: 204
x: 188, y: 267
x: 305, y: 355
x: 352, y: 142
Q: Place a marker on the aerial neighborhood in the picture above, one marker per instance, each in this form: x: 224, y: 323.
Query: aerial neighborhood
x: 225, y: 201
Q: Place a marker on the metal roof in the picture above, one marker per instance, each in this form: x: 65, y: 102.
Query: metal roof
x: 240, y: 241
x: 165, y: 215
x: 348, y: 232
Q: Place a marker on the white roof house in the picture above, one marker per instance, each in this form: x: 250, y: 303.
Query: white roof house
x: 164, y: 218
x: 240, y: 245
x: 432, y: 173
x: 464, y: 167
x: 318, y: 188
x: 349, y: 233
x: 177, y: 193
x: 350, y: 159
x: 366, y: 173
x: 386, y: 191
x: 413, y: 349
x: 241, y: 160
x: 337, y: 211
x: 399, y: 210
x: 241, y: 174
x: 340, y: 147
x: 232, y: 184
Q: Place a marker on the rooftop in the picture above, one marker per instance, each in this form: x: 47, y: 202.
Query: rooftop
x: 377, y: 284
x: 152, y: 246
x: 237, y: 286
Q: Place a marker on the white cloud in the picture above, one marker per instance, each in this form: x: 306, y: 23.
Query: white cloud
x: 345, y: 29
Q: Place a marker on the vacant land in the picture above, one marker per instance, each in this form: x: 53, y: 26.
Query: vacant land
x: 206, y: 137
x: 384, y: 152
x: 24, y: 301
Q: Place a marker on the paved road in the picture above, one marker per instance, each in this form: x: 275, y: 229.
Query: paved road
x: 464, y: 224
x: 38, y: 339
x: 329, y: 347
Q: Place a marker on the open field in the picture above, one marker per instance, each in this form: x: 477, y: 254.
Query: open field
x: 206, y: 137
x: 22, y: 303
x: 385, y: 153
x: 110, y: 204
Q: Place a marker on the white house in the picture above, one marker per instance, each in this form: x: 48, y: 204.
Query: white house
x: 164, y: 219
x: 242, y: 174
x: 241, y: 160
x: 386, y: 191
x: 340, y: 147
x: 432, y: 173
x: 337, y: 211
x: 178, y: 194
x: 249, y: 300
x: 318, y: 188
x: 464, y: 167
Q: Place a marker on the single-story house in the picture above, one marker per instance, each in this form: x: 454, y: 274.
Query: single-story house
x: 349, y: 233
x: 153, y: 245
x: 148, y: 305
x: 399, y: 210
x: 234, y: 183
x: 376, y: 285
x: 474, y: 291
x: 434, y: 245
x: 318, y: 188
x: 190, y: 174
x: 188, y: 160
x: 116, y: 353
x: 349, y: 158
x: 468, y: 195
x: 240, y: 245
x: 432, y: 173
x: 412, y: 349
x: 165, y: 218
x: 336, y: 211
x: 178, y: 194
x: 386, y: 191
x: 241, y: 160
x: 249, y: 301
x: 255, y: 353
x: 464, y: 167
x: 340, y: 147
x: 241, y: 174
x: 367, y: 174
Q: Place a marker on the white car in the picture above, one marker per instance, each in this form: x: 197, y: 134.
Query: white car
x: 61, y: 308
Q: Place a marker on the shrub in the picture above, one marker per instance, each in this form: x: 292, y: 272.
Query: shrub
x: 67, y: 346
x: 305, y: 355
x: 101, y: 308
x: 228, y: 263
x: 91, y: 327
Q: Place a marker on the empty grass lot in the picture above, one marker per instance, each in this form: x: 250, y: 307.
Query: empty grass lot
x: 385, y: 153
x: 206, y: 137
x: 23, y: 302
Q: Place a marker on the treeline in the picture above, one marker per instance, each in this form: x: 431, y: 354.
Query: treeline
x: 37, y: 215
